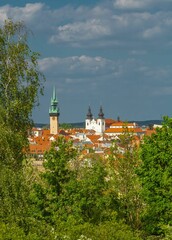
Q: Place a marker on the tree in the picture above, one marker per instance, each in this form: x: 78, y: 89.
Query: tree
x: 17, y: 177
x: 107, y: 230
x: 88, y: 198
x: 11, y: 145
x: 65, y: 126
x: 14, y: 190
x: 76, y: 197
x: 123, y: 162
x: 74, y: 190
x: 155, y: 173
x: 57, y: 163
x: 20, y: 85
x: 56, y: 175
x: 20, y: 78
x: 11, y: 157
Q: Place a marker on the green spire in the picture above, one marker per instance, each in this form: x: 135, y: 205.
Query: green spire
x: 54, y: 98
x: 54, y: 109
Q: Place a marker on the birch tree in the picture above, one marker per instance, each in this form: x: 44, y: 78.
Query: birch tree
x: 20, y: 78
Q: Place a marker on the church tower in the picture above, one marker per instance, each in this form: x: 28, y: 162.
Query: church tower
x: 54, y: 114
x: 101, y: 121
x: 89, y: 119
x: 98, y: 125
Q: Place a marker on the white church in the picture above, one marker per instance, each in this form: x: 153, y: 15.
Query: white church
x: 98, y: 125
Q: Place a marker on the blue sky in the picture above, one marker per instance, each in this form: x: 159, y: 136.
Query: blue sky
x: 114, y: 53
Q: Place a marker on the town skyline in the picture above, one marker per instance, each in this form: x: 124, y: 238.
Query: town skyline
x: 112, y: 53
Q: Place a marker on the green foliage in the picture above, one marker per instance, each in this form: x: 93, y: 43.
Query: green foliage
x: 11, y: 232
x: 15, y: 232
x: 74, y: 198
x: 11, y: 145
x: 156, y: 175
x: 16, y: 210
x: 57, y: 162
x: 20, y: 78
x: 73, y: 189
x: 56, y: 175
x: 123, y: 162
x: 20, y: 83
x: 12, y: 199
x: 86, y: 196
x: 108, y: 230
x: 65, y: 126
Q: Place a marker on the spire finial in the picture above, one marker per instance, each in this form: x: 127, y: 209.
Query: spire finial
x: 89, y: 114
x: 101, y: 114
x: 54, y: 93
x: 54, y: 104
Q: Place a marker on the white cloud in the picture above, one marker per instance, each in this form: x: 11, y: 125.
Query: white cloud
x: 113, y: 29
x: 100, y: 26
x: 138, y: 52
x: 97, y: 69
x: 83, y: 31
x: 76, y: 65
x: 48, y: 63
x: 132, y: 3
x: 152, y: 32
x: 26, y: 13
x: 167, y: 90
x: 112, y: 50
x: 160, y: 74
x: 4, y: 13
x: 31, y: 9
x: 142, y: 4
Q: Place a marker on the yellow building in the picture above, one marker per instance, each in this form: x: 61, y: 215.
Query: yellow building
x: 54, y: 113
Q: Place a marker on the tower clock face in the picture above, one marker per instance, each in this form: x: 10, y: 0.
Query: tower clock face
x: 53, y: 118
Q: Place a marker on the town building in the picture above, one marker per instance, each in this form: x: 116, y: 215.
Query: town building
x: 54, y: 113
x: 119, y: 127
x: 98, y: 125
x: 97, y: 136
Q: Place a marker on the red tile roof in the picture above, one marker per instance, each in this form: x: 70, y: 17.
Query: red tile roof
x: 123, y: 130
x: 123, y: 124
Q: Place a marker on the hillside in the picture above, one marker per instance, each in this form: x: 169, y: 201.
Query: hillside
x: 82, y: 124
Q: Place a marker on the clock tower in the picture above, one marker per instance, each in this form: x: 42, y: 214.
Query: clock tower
x: 54, y: 113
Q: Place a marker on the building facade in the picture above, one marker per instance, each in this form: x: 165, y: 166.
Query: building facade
x: 54, y: 113
x: 98, y: 125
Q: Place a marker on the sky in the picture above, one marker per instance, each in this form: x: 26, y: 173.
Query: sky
x: 111, y: 53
